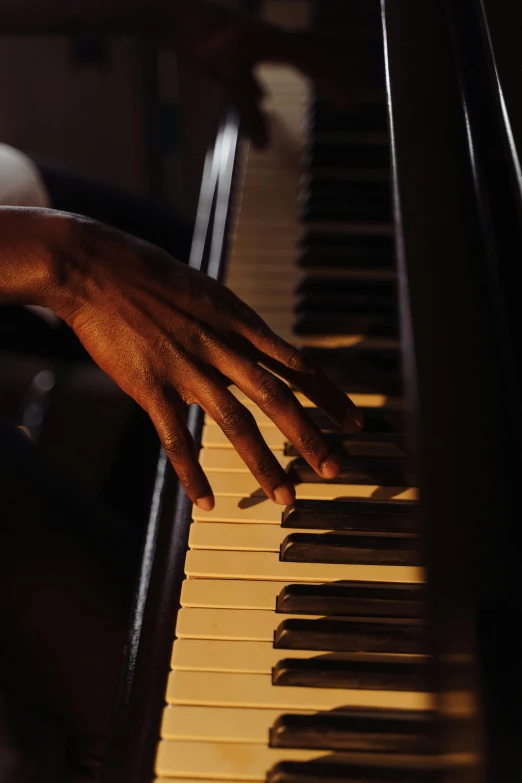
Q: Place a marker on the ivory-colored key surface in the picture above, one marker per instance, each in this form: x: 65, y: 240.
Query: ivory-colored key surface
x: 218, y: 724
x: 213, y: 437
x: 230, y: 762
x: 255, y: 625
x: 211, y: 655
x: 258, y: 508
x: 247, y: 538
x: 213, y: 564
x: 230, y: 461
x: 230, y: 594
x: 242, y: 485
x: 251, y: 762
x: 217, y: 689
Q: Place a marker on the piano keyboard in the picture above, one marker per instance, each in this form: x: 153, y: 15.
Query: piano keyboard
x: 299, y: 645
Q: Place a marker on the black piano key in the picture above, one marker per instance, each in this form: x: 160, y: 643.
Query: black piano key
x: 336, y: 199
x: 364, y: 381
x: 357, y: 470
x: 346, y: 256
x: 366, y: 112
x: 370, y: 731
x: 374, y: 191
x: 399, y: 516
x: 376, y: 420
x: 334, y: 769
x: 357, y: 358
x: 365, y: 444
x: 350, y: 549
x: 336, y: 635
x: 327, y: 672
x: 362, y: 156
x: 352, y: 599
x: 346, y: 324
x: 359, y: 304
x: 360, y: 370
x: 353, y: 290
x: 322, y: 210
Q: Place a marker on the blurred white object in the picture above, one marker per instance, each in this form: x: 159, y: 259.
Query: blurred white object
x: 21, y: 184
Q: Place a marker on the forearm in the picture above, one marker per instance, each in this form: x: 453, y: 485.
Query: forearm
x: 32, y: 243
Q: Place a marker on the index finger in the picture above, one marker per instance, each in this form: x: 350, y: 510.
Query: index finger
x: 288, y: 362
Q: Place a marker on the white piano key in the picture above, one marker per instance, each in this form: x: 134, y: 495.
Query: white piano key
x: 266, y: 566
x: 248, y: 625
x: 245, y: 538
x: 352, y: 228
x: 256, y: 510
x: 213, y: 655
x: 230, y: 594
x: 230, y: 461
x: 251, y: 625
x: 244, y: 485
x: 216, y: 689
x: 217, y: 724
x: 214, y: 437
x: 251, y: 762
x: 176, y: 758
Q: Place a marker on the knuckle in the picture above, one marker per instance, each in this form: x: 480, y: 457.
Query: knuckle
x: 297, y: 362
x: 271, y: 391
x: 176, y: 446
x: 311, y: 443
x: 236, y: 421
x: 203, y: 340
x: 264, y: 470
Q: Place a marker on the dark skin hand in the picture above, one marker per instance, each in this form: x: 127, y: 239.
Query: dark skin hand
x: 169, y: 336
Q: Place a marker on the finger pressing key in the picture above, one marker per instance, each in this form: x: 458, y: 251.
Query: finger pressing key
x: 169, y: 419
x: 288, y: 362
x: 276, y: 399
x: 240, y: 427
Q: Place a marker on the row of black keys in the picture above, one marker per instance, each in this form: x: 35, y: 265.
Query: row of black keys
x: 330, y: 306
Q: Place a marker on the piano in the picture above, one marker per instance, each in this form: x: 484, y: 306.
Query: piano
x: 370, y: 631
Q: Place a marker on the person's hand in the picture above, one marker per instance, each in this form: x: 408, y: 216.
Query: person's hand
x: 169, y: 336
x: 226, y: 46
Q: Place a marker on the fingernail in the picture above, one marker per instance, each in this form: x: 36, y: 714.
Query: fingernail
x: 331, y: 467
x: 206, y: 503
x: 353, y: 422
x: 284, y: 494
